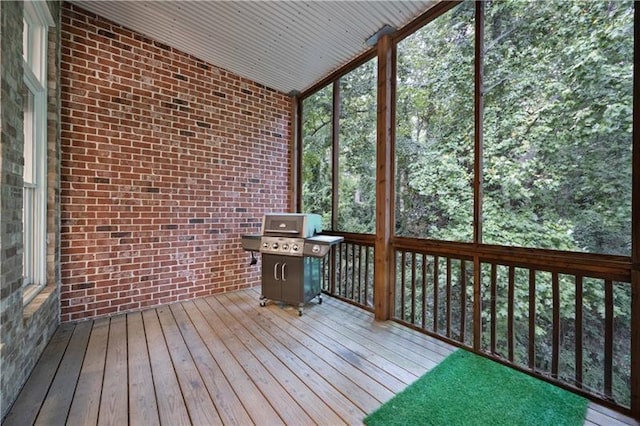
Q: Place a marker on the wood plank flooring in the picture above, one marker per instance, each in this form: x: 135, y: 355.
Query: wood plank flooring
x: 225, y: 360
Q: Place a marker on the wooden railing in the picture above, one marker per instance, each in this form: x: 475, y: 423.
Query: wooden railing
x: 565, y: 318
x: 348, y: 270
x: 431, y: 293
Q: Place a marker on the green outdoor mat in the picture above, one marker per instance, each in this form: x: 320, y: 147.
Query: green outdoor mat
x: 467, y: 389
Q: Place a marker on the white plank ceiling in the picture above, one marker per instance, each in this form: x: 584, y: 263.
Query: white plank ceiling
x: 285, y: 45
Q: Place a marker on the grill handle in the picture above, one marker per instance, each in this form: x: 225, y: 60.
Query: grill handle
x: 284, y: 265
x: 275, y: 271
x: 281, y: 231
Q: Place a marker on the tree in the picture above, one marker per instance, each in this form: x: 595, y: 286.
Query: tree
x: 317, y: 112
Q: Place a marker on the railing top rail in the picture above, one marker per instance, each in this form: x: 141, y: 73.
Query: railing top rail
x: 616, y: 268
x: 352, y: 238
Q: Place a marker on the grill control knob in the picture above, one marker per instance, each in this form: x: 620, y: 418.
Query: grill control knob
x: 285, y: 247
x: 315, y: 249
x: 265, y: 245
x: 294, y: 247
x: 275, y: 246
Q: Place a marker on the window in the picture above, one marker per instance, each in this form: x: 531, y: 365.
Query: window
x: 357, y: 150
x: 434, y: 149
x: 36, y: 20
x: 317, y: 114
x: 352, y: 134
x: 558, y: 96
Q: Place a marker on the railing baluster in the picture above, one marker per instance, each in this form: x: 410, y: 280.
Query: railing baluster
x: 448, y: 319
x: 332, y: 268
x: 463, y: 299
x: 476, y: 302
x: 345, y: 277
x: 555, y: 344
x: 608, y: 337
x: 532, y: 319
x: 578, y: 326
x: 346, y: 273
x: 510, y: 299
x: 353, y: 271
x: 402, y: 285
x: 413, y: 288
x: 339, y: 271
x: 435, y: 293
x: 328, y: 269
x: 424, y: 291
x: 359, y: 274
x: 494, y: 297
x: 366, y: 276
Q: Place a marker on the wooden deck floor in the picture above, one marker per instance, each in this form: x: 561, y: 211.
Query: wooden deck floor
x: 225, y: 360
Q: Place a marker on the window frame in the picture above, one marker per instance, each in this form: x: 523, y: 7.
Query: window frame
x: 36, y: 22
x: 333, y: 80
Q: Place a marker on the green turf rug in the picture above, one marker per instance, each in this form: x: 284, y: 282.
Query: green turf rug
x: 467, y: 389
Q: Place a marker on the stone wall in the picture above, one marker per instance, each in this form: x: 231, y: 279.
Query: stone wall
x: 25, y: 329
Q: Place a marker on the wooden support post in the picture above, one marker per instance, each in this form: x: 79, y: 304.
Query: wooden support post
x: 383, y: 266
x: 477, y: 181
x: 635, y: 342
x: 295, y: 183
x: 635, y: 226
x: 335, y: 155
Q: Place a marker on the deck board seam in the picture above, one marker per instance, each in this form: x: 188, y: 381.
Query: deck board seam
x: 233, y: 355
x: 314, y: 332
x: 224, y: 367
x: 147, y: 348
x: 220, y: 365
x: 309, y: 391
x: 84, y: 359
x: 187, y: 326
x: 285, y: 393
x: 295, y: 358
x: 369, y: 346
x: 184, y: 364
x: 292, y: 331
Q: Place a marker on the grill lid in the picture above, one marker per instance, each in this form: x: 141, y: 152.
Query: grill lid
x: 301, y: 225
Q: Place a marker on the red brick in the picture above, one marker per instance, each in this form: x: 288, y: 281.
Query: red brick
x: 143, y: 153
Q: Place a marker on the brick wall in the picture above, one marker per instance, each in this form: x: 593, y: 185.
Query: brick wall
x: 166, y: 160
x: 25, y: 329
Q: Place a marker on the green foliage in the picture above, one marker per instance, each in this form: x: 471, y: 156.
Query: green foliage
x: 357, y: 155
x: 434, y: 129
x: 557, y: 125
x: 316, y: 150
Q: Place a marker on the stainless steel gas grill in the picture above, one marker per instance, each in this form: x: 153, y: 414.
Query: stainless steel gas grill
x: 292, y: 253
